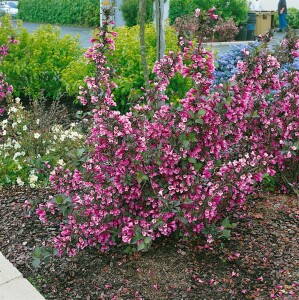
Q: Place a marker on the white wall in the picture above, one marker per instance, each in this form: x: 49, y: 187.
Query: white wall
x: 272, y: 4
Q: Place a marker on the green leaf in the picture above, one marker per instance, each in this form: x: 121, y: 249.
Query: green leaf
x: 225, y: 222
x: 192, y: 160
x: 36, y: 263
x: 199, y: 121
x: 192, y: 137
x: 147, y: 240
x: 141, y: 177
x: 226, y: 233
x: 201, y: 112
x: 140, y: 246
x: 198, y: 166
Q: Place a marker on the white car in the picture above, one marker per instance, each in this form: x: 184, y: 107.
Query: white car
x: 9, y: 7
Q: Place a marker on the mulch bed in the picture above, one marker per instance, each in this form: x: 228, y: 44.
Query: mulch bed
x: 260, y: 262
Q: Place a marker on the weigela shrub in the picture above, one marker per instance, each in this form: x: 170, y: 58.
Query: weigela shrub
x: 221, y: 30
x: 162, y: 168
x: 225, y: 31
x: 5, y: 88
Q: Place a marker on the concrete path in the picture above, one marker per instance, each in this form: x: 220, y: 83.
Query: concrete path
x: 12, y: 284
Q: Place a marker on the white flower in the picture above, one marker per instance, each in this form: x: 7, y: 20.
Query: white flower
x: 17, y: 100
x: 36, y: 135
x: 17, y: 145
x: 14, y: 124
x: 61, y: 162
x: 12, y: 109
x: 4, y: 132
x: 25, y: 127
x: 19, y: 167
x: 17, y: 154
x: 33, y: 178
x: 32, y: 185
x: 20, y: 182
x: 62, y: 138
x: 37, y: 121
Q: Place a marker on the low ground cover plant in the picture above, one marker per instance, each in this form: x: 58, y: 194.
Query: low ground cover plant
x: 164, y: 169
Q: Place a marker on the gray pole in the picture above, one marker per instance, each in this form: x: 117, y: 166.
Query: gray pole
x: 160, y: 32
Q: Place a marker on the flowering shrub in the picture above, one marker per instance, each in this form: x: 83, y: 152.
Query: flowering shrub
x: 33, y: 140
x: 5, y: 88
x: 164, y: 168
x: 222, y: 30
x: 226, y: 64
x: 225, y: 30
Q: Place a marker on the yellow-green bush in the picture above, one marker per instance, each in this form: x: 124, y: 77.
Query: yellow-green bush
x: 35, y: 64
x: 126, y: 63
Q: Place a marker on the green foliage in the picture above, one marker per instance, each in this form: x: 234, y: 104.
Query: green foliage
x: 34, y: 140
x: 126, y: 63
x: 6, y: 30
x: 235, y: 9
x: 42, y: 255
x: 293, y: 18
x: 76, y: 12
x: 222, y: 232
x: 180, y: 8
x: 130, y: 9
x: 35, y: 64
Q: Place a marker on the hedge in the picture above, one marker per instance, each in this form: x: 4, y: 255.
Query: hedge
x: 71, y: 12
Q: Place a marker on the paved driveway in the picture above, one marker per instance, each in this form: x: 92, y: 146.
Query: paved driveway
x: 86, y: 33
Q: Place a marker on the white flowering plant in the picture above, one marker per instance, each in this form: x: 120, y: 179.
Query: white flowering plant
x: 33, y: 140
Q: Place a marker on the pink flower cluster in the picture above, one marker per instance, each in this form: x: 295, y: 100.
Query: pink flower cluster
x: 5, y: 88
x: 163, y: 168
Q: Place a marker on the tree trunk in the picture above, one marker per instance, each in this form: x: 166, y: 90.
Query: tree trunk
x: 160, y: 32
x: 142, y: 16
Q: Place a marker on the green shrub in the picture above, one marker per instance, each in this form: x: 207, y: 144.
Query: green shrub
x: 77, y: 12
x: 235, y: 9
x: 34, y: 140
x: 126, y: 63
x: 130, y: 10
x: 180, y: 8
x: 35, y: 64
x: 293, y: 17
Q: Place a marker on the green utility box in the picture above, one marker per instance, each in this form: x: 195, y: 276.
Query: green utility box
x: 264, y: 22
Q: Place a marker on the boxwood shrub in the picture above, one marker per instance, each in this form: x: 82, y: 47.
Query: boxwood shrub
x: 76, y: 12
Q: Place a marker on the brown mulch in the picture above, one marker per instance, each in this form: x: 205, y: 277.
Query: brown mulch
x: 260, y: 262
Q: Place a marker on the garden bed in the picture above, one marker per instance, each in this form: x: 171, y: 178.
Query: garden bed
x: 261, y: 259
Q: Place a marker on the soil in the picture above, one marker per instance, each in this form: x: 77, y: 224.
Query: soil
x: 261, y: 261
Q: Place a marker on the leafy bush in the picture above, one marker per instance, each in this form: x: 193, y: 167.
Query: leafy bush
x: 162, y: 168
x: 293, y: 18
x: 130, y: 11
x: 126, y: 63
x: 188, y: 27
x: 75, y: 12
x: 225, y: 31
x: 34, y: 140
x: 35, y: 64
x: 234, y: 9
